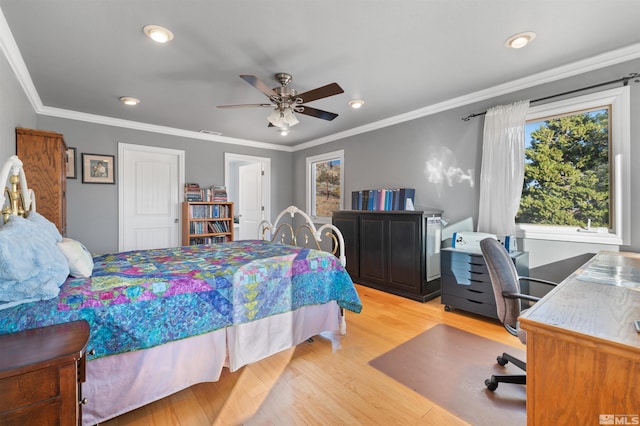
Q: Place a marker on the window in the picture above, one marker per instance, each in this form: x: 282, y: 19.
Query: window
x: 576, y: 185
x: 324, y: 185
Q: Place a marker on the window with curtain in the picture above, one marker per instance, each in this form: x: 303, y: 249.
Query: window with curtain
x: 576, y: 184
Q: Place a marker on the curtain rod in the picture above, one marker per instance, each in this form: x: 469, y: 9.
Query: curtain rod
x: 623, y: 80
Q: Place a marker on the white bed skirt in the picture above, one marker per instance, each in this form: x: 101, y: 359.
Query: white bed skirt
x: 253, y: 341
x: 120, y: 383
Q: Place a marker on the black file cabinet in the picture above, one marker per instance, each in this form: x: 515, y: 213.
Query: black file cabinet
x: 466, y: 284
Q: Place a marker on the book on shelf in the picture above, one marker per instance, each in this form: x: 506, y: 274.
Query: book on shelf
x: 210, y: 240
x: 382, y: 199
x: 205, y: 211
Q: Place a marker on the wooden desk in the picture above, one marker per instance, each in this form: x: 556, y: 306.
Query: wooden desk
x: 583, y: 352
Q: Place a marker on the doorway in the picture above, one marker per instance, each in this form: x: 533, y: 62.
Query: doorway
x: 248, y: 182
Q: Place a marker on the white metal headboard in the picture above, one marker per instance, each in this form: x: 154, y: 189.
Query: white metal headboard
x: 19, y: 199
x: 287, y: 235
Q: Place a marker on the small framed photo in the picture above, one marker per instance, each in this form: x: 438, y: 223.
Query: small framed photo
x: 71, y: 163
x: 97, y: 168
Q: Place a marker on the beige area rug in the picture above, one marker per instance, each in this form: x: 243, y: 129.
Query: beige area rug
x: 448, y: 366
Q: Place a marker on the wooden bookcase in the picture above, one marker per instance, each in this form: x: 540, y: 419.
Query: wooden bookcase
x: 206, y: 222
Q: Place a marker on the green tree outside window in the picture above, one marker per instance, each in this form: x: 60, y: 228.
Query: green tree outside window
x: 567, y: 171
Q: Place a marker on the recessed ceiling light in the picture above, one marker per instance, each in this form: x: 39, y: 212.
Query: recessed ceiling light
x: 157, y: 33
x: 520, y: 40
x: 356, y: 103
x: 128, y: 100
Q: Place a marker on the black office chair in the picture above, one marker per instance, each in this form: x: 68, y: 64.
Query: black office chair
x: 506, y: 288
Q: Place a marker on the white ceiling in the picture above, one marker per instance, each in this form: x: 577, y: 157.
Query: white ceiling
x: 404, y: 58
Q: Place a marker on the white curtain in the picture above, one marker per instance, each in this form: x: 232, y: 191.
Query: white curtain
x: 502, y: 170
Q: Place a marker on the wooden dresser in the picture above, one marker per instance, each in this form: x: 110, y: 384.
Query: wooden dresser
x: 44, y: 158
x: 41, y: 371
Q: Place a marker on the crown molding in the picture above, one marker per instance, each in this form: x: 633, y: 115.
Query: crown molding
x: 12, y: 53
x: 136, y: 125
x: 576, y: 68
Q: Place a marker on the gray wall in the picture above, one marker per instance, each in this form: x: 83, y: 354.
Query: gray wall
x: 397, y: 156
x: 440, y: 155
x: 15, y: 111
x: 92, y: 210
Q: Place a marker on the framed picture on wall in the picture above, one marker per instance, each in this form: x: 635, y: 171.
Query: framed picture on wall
x: 98, y: 168
x: 71, y: 163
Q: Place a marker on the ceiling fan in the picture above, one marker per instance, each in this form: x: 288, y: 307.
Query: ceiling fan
x: 285, y: 100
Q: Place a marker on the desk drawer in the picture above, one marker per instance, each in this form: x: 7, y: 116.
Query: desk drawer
x: 468, y: 278
x: 463, y: 256
x: 464, y: 266
x: 470, y: 305
x: 474, y: 293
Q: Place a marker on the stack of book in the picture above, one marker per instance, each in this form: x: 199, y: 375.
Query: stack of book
x: 214, y: 193
x: 383, y: 199
x: 192, y: 192
x: 219, y: 193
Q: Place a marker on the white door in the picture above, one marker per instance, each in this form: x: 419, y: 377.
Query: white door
x: 150, y: 193
x: 250, y: 206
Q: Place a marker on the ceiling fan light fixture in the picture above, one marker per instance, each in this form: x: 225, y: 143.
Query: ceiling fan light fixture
x: 282, y: 118
x: 157, y: 33
x: 275, y: 118
x: 284, y: 132
x: 289, y: 118
x: 356, y: 103
x: 520, y: 40
x: 128, y: 100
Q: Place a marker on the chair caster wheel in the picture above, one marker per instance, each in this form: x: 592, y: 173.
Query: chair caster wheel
x: 491, y: 384
x: 501, y: 361
x: 447, y: 308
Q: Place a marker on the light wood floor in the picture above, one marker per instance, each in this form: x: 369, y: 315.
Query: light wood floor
x: 313, y: 384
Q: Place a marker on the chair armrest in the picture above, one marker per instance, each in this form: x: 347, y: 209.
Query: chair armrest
x: 520, y: 296
x: 538, y: 280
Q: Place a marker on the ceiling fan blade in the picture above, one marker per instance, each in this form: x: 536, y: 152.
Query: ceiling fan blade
x: 321, y: 92
x: 318, y: 113
x: 258, y: 84
x: 246, y: 106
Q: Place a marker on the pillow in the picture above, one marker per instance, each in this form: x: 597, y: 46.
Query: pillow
x: 31, y: 266
x: 45, y: 226
x: 78, y: 257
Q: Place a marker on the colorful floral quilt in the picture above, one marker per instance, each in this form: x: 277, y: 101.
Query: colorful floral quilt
x: 140, y: 299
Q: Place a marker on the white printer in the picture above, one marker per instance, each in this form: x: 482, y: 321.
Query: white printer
x: 471, y: 241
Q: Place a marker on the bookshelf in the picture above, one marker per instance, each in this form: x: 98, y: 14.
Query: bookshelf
x: 206, y: 222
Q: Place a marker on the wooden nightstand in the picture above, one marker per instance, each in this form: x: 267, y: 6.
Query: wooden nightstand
x: 41, y: 371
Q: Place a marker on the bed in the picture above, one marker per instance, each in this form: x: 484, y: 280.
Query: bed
x: 164, y: 319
